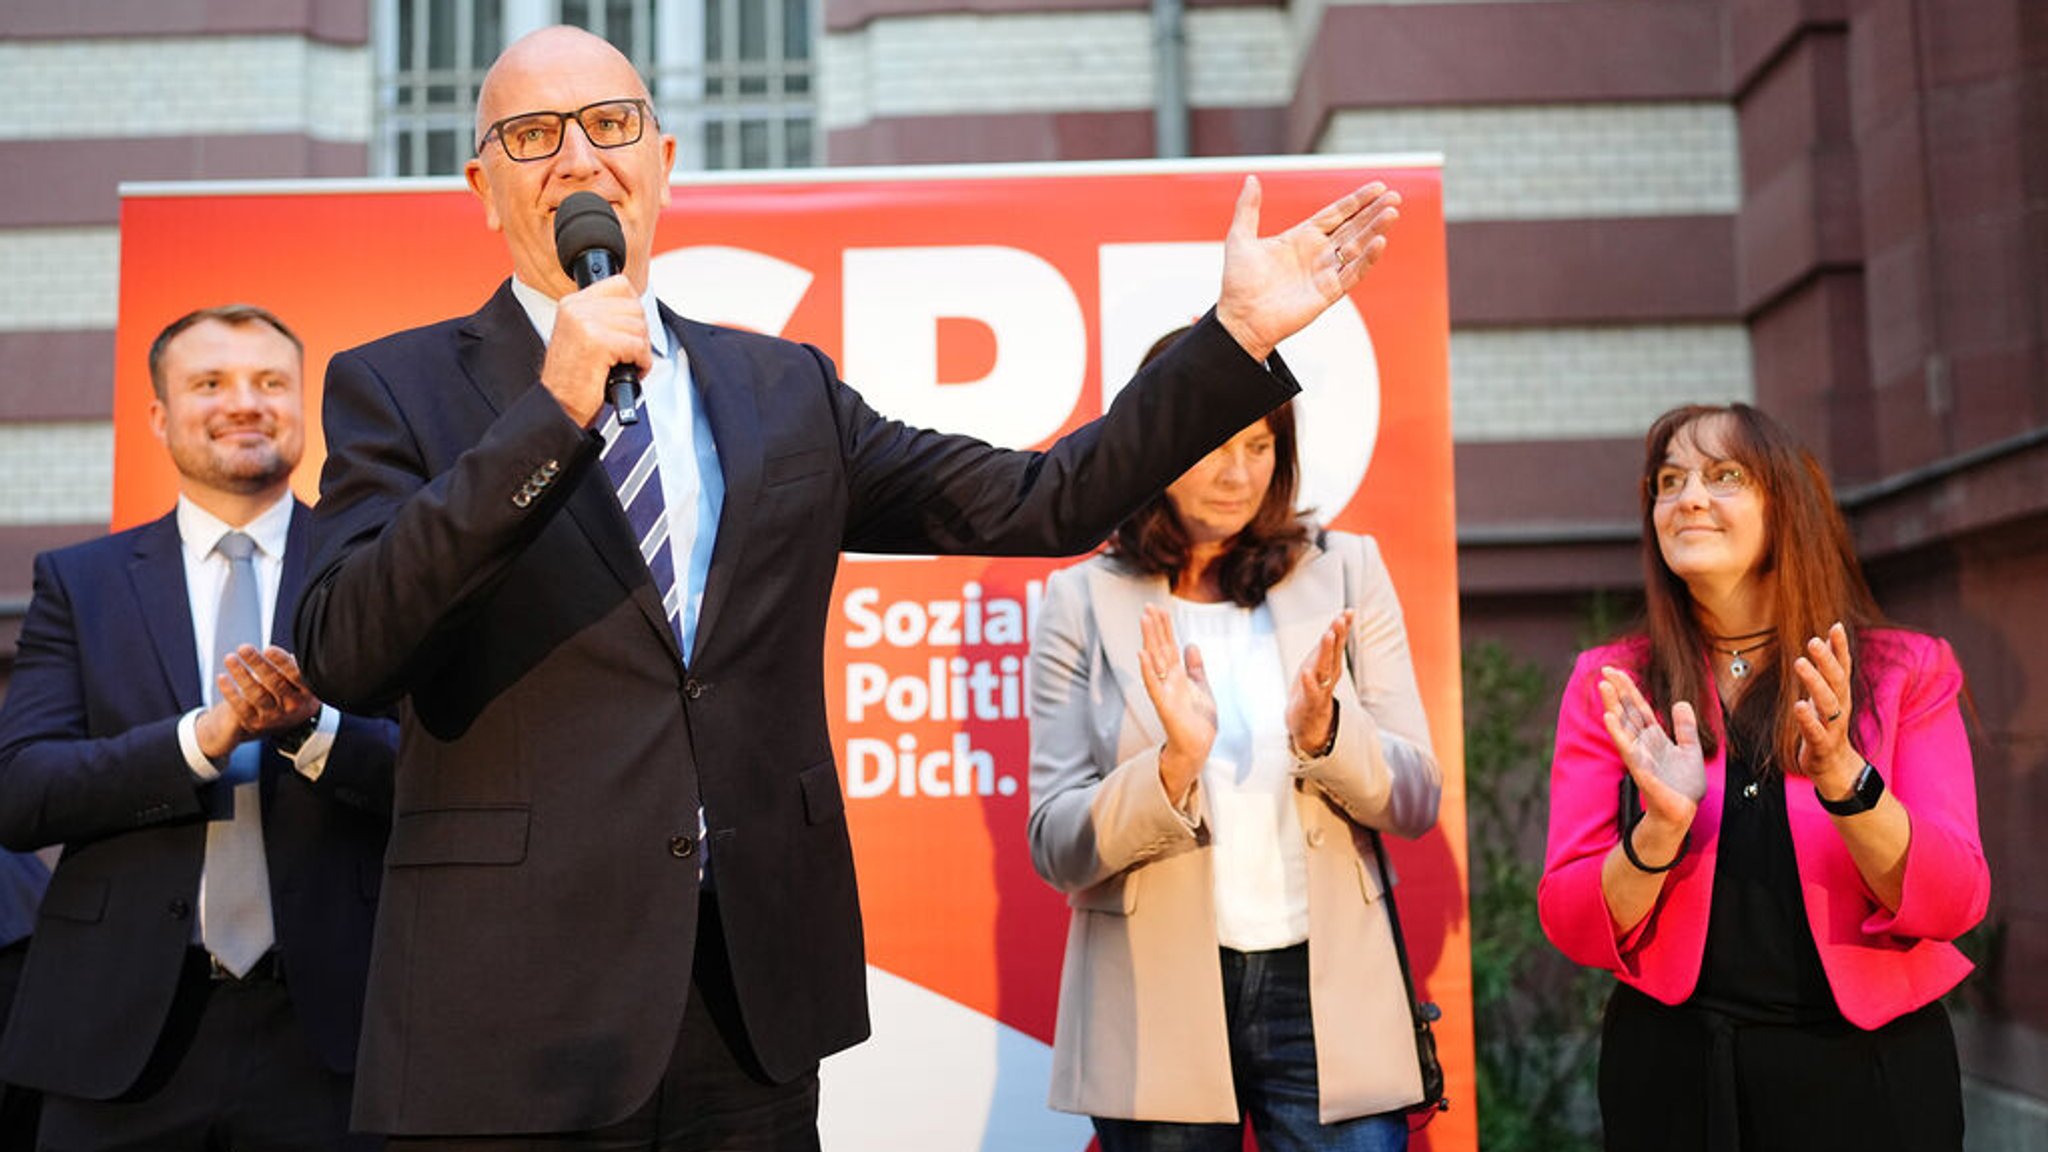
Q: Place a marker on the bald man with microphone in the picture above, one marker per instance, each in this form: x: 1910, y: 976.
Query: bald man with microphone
x: 620, y: 908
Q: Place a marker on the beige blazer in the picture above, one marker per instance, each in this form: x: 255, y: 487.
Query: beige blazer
x: 1141, y: 1031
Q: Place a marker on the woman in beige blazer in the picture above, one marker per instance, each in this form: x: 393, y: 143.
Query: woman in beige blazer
x: 1206, y: 814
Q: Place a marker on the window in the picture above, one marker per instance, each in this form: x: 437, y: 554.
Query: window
x: 731, y: 79
x: 757, y: 99
x: 431, y: 58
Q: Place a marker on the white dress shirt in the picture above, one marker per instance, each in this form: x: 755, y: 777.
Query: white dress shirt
x: 1256, y: 848
x: 206, y: 575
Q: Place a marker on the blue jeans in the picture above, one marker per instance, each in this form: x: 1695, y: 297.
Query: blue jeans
x: 1273, y: 1066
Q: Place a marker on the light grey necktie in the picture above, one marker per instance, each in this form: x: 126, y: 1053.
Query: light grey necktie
x: 234, y: 892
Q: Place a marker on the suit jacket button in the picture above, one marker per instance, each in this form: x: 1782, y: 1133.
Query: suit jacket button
x: 693, y: 688
x: 682, y: 847
x: 181, y: 908
x: 522, y: 498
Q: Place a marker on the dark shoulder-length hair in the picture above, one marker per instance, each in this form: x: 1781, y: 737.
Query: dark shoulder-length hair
x: 1153, y: 541
x: 1807, y: 548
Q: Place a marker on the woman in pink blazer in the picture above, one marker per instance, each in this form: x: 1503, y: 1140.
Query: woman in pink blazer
x: 1207, y: 812
x: 1764, y: 822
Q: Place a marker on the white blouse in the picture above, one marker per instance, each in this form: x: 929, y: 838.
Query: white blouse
x: 1260, y: 862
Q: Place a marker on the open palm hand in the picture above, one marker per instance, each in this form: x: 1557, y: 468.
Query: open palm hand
x: 1668, y: 768
x: 1178, y: 686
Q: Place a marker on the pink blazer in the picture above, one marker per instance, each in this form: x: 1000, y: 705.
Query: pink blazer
x: 1879, y: 964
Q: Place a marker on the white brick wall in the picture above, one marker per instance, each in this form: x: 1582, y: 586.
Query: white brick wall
x: 339, y: 82
x: 1569, y: 383
x: 56, y: 473
x: 1562, y: 161
x: 1029, y: 62
x: 58, y: 278
x: 1045, y: 62
x: 185, y: 86
x: 1238, y: 57
x: 843, y: 85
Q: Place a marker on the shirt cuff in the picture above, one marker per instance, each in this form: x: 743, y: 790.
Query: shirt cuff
x: 311, y: 758
x: 1188, y: 808
x: 204, y: 770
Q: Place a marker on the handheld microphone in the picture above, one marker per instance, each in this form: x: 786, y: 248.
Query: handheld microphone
x: 591, y: 246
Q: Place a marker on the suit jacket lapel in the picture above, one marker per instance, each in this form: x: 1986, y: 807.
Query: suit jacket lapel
x: 1119, y: 600
x: 156, y: 570
x: 500, y: 350
x: 724, y: 387
x: 503, y: 355
x: 291, y: 577
x: 1304, y: 603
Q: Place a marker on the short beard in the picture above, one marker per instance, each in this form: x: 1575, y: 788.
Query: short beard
x: 250, y: 479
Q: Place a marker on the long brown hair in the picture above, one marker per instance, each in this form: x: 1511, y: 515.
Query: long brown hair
x: 1807, y: 549
x: 1153, y: 541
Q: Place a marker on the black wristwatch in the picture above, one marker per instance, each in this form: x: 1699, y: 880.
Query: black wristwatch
x: 1862, y: 798
x: 289, y: 743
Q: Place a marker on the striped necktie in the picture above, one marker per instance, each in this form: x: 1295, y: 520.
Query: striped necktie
x: 629, y: 461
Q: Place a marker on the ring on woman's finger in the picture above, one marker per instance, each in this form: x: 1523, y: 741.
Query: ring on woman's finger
x: 1834, y: 716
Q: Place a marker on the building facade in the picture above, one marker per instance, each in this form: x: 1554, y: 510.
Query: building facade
x: 1837, y: 209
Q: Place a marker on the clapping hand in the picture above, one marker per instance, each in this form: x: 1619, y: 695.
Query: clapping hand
x: 1311, y: 708
x: 1179, y: 688
x: 260, y: 693
x: 1669, y: 770
x: 1823, y: 717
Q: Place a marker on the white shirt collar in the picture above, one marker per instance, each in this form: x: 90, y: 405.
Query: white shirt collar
x: 541, y: 309
x: 200, y: 530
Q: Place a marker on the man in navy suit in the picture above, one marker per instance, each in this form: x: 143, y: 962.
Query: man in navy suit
x: 195, y: 979
x: 619, y: 903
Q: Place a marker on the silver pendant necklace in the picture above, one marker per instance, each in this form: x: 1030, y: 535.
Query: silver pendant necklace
x: 1737, y: 666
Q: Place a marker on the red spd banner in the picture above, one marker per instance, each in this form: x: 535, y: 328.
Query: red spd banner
x: 1010, y: 303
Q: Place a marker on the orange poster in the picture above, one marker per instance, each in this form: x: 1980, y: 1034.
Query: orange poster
x: 1008, y: 302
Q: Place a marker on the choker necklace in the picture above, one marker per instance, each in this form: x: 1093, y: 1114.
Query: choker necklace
x: 1737, y: 666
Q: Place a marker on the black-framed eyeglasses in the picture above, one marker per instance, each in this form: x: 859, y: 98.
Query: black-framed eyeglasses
x: 538, y: 135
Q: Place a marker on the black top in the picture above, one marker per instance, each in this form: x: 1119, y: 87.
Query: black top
x: 1761, y: 964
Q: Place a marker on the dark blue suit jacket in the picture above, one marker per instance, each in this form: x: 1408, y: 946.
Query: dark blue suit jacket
x: 89, y: 759
x: 534, y: 947
x: 23, y: 876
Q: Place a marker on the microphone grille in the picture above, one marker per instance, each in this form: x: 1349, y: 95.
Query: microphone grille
x: 584, y: 221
